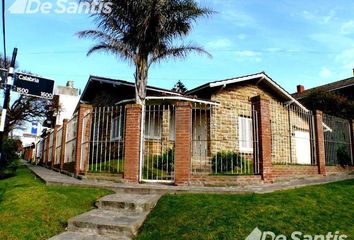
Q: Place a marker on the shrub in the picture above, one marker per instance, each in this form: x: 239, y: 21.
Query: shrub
x: 343, y: 156
x: 165, y: 161
x: 9, y: 162
x: 227, y: 162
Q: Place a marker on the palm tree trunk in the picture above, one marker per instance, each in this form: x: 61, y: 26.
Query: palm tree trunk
x: 141, y: 75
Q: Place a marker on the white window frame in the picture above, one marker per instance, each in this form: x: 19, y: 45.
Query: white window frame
x: 245, y: 128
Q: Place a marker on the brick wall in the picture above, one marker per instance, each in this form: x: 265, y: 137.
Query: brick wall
x: 284, y: 171
x: 224, y: 181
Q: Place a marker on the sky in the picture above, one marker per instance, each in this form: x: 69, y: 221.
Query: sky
x: 294, y: 42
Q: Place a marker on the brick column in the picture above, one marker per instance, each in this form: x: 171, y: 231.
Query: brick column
x: 261, y: 105
x: 63, y: 145
x: 352, y: 138
x: 83, y: 110
x: 183, y: 144
x: 132, y: 143
x: 47, y: 140
x: 319, y: 141
x: 54, y: 152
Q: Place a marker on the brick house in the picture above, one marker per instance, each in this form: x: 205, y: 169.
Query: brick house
x: 224, y: 132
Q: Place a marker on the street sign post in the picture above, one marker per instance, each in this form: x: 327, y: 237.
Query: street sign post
x: 33, y: 86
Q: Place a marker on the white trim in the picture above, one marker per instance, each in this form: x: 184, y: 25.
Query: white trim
x: 258, y: 75
x: 184, y: 99
x: 326, y: 127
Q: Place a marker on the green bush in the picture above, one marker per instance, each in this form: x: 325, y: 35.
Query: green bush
x: 227, y: 162
x: 9, y: 162
x: 165, y: 161
x: 343, y: 156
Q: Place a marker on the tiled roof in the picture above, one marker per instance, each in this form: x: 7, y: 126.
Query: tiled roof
x: 327, y: 87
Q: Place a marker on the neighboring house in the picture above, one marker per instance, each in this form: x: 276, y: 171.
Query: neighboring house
x: 343, y: 87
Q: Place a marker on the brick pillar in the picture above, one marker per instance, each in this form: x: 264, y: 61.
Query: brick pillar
x: 132, y: 143
x: 54, y: 152
x: 261, y: 105
x: 183, y: 144
x: 63, y: 145
x: 319, y: 141
x: 83, y: 110
x: 47, y: 140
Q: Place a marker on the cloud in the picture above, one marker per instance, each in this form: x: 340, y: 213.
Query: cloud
x: 325, y: 73
x: 219, y: 43
x: 248, y: 55
x: 346, y: 59
x: 347, y: 27
x: 318, y: 17
x: 242, y: 36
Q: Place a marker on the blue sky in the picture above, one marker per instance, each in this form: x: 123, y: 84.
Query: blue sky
x: 295, y: 42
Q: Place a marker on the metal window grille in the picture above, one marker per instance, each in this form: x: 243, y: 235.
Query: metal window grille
x: 159, y: 144
x: 106, y: 143
x: 293, y: 139
x: 225, y: 140
x: 337, y: 141
x: 70, y: 144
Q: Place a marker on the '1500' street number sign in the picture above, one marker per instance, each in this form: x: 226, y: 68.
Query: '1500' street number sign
x: 34, y: 86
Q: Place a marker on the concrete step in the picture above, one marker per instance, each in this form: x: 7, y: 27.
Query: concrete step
x: 85, y: 236
x: 108, y: 223
x: 128, y: 201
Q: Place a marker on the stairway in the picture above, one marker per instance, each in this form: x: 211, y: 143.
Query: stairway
x: 117, y: 217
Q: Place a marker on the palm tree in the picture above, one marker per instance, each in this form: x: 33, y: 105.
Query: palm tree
x: 144, y: 32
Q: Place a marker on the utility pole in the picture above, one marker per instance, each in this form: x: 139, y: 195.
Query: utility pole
x: 7, y: 90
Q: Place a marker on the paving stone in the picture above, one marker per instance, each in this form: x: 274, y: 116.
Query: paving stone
x: 108, y: 223
x: 131, y: 201
x: 85, y: 236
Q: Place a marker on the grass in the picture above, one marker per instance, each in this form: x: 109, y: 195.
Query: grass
x: 113, y: 166
x: 311, y: 210
x: 31, y: 210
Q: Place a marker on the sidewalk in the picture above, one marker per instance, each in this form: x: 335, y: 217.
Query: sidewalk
x: 54, y: 178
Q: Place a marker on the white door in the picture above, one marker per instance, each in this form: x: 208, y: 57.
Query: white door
x: 303, y: 147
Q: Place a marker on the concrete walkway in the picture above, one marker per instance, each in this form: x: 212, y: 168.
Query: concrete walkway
x: 54, y: 178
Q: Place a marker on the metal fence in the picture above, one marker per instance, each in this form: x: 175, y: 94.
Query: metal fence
x: 337, y: 141
x: 159, y: 143
x: 70, y: 140
x: 50, y: 150
x: 106, y: 142
x: 293, y: 140
x: 225, y: 140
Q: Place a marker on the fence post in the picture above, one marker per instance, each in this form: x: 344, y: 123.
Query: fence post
x: 54, y: 144
x: 319, y: 141
x: 261, y: 105
x: 183, y: 148
x: 63, y: 144
x: 83, y: 108
x: 132, y: 142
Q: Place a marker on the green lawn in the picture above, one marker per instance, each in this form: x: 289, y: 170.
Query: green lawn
x: 31, y: 210
x: 311, y: 210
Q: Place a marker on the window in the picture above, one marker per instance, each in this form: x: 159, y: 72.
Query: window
x: 153, y: 124
x: 245, y: 134
x: 117, y: 128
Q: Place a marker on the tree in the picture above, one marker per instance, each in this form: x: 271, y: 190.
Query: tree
x: 144, y: 32
x: 179, y: 87
x: 330, y: 103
